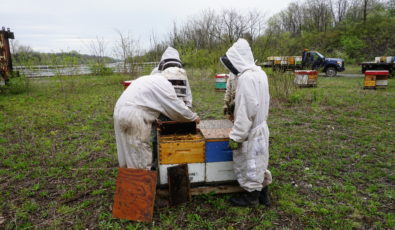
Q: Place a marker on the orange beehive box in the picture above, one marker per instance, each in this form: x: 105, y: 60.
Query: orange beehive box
x: 181, y: 149
x: 291, y: 60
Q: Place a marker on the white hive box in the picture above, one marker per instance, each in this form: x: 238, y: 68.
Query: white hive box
x: 220, y: 171
x: 196, y: 172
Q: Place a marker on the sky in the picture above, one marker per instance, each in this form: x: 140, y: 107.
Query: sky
x: 58, y: 25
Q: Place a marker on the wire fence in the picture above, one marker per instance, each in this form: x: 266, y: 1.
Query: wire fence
x: 72, y: 70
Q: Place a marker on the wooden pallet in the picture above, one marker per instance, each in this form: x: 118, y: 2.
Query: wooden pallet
x: 216, y: 189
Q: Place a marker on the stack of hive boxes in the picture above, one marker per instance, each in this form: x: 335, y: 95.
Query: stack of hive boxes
x: 306, y: 78
x: 206, y: 152
x: 181, y: 143
x: 285, y: 60
x: 219, y: 160
x: 220, y: 82
x: 376, y: 79
x: 384, y: 59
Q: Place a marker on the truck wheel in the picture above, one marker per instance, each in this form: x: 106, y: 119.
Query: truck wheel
x: 331, y: 72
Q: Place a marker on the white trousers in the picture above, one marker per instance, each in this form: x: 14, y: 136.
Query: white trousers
x: 251, y: 160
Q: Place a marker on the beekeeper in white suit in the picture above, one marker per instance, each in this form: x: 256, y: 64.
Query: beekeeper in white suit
x: 171, y: 57
x: 249, y: 137
x: 137, y: 108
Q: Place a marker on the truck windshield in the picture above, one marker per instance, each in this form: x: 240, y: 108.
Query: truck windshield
x: 320, y: 55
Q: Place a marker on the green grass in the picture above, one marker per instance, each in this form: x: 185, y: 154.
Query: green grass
x: 352, y: 69
x: 331, y: 155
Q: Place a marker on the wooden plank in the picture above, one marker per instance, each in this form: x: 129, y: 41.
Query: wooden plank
x: 215, y: 124
x: 220, y: 133
x: 134, y: 194
x: 216, y: 189
x: 220, y: 189
x: 182, y: 152
x: 179, y: 186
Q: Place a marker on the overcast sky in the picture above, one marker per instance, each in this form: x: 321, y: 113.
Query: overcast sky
x: 57, y: 25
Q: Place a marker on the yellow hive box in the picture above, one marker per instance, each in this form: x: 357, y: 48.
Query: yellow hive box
x: 181, y: 149
x: 312, y: 79
x: 370, y: 81
x: 291, y: 60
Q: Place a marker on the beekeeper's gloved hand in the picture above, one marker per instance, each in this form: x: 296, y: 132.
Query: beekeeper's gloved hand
x: 233, y: 144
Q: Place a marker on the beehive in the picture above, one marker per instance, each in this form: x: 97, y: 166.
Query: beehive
x: 375, y: 79
x: 220, y: 82
x: 277, y: 60
x: 181, y: 148
x: 298, y: 60
x: 306, y: 78
x: 219, y: 160
x: 291, y: 60
x: 126, y: 83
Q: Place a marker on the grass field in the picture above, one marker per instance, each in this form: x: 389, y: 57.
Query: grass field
x: 332, y: 158
x: 353, y: 69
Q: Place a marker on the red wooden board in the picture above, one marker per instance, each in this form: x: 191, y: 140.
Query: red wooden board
x: 135, y: 194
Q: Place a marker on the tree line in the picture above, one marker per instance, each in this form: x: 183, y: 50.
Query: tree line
x: 355, y: 30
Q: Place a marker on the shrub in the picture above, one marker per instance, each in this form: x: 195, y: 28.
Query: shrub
x: 100, y: 69
x: 16, y: 85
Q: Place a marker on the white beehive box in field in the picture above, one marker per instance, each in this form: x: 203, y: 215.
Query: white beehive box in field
x: 220, y: 171
x: 196, y: 172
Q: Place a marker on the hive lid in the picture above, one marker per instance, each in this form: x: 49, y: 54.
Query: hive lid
x: 376, y: 72
x: 215, y: 129
x: 306, y: 72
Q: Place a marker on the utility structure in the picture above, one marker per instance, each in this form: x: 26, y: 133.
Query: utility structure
x: 5, y: 54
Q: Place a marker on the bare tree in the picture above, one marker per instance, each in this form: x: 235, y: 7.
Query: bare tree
x: 98, y: 48
x: 209, y: 29
x: 126, y: 48
x: 255, y: 23
x: 339, y: 9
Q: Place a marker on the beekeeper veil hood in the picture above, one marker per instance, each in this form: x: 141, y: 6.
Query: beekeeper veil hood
x: 178, y: 78
x: 226, y: 62
x: 170, y: 58
x: 240, y: 56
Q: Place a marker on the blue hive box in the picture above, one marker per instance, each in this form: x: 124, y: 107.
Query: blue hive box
x: 216, y: 135
x: 218, y: 150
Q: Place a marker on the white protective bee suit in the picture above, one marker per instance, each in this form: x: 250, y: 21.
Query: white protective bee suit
x: 251, y: 112
x: 135, y: 111
x: 169, y: 54
x: 230, y: 92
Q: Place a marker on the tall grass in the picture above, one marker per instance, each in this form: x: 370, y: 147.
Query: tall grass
x: 281, y: 86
